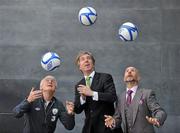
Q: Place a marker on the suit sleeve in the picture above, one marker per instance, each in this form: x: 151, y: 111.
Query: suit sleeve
x: 117, y: 115
x: 78, y: 107
x: 21, y: 108
x: 66, y: 119
x: 156, y: 110
x: 109, y: 94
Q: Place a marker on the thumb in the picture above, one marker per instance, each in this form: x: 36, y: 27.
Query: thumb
x: 106, y: 116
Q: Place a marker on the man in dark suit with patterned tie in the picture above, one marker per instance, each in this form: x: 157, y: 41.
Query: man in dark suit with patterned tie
x: 138, y: 109
x: 95, y: 94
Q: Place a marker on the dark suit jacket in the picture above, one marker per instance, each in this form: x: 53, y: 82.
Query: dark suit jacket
x: 95, y: 110
x: 144, y: 104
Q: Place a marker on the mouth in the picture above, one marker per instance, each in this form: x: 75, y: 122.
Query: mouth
x: 87, y: 65
x: 129, y: 75
x: 129, y: 78
x: 49, y: 85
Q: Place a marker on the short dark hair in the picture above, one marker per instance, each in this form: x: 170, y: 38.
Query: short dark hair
x: 83, y: 53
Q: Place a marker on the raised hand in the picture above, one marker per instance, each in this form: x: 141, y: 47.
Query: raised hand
x: 34, y: 94
x: 70, y: 107
x: 109, y: 121
x: 85, y: 90
x: 153, y: 121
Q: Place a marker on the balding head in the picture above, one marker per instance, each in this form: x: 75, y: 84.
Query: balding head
x: 131, y: 74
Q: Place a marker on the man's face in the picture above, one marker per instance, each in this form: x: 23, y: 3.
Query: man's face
x: 48, y: 84
x: 131, y: 74
x: 86, y: 63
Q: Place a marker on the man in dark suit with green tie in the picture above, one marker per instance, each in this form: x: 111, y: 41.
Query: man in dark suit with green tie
x: 138, y: 109
x: 95, y: 94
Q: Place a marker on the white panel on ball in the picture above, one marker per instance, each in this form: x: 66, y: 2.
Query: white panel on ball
x: 87, y: 16
x: 50, y: 61
x: 128, y: 31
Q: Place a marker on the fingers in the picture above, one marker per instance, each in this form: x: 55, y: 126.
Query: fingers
x: 32, y: 89
x: 69, y: 103
x: 148, y: 118
x: 109, y: 121
x: 84, y: 90
x: 70, y: 107
x: 107, y: 116
x: 34, y: 94
x: 81, y: 86
x: 37, y: 94
x: 153, y: 121
x: 81, y: 90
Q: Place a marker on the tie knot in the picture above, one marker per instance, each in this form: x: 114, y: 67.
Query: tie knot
x: 88, y: 77
x: 129, y: 92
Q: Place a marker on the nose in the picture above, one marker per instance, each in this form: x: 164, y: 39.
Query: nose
x: 86, y: 59
x: 50, y: 81
x: 129, y: 72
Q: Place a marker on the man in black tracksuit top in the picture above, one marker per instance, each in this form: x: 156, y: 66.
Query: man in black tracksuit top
x: 42, y: 110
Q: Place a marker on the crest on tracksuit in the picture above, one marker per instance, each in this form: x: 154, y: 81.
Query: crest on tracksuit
x: 54, y: 111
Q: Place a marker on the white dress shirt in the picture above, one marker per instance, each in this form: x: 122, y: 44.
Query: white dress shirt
x: 95, y: 94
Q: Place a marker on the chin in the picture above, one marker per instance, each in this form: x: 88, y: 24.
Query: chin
x: 88, y: 69
x: 49, y: 89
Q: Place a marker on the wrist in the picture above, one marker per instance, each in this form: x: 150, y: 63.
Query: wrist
x: 29, y: 100
x: 92, y: 93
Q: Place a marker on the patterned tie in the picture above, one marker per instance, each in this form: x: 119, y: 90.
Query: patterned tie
x: 129, y: 98
x: 88, y: 81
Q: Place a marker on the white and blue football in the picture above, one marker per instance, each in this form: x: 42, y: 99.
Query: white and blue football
x: 50, y: 61
x: 128, y: 31
x: 87, y: 16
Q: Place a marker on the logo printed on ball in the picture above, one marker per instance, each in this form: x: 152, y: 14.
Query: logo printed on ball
x: 49, y: 65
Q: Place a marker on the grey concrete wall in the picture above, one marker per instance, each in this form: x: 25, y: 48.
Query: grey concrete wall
x: 29, y: 28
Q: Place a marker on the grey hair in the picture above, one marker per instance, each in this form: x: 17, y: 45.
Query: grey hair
x: 51, y: 77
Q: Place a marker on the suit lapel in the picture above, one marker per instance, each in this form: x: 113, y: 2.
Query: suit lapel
x: 95, y: 81
x: 82, y: 82
x: 135, y: 103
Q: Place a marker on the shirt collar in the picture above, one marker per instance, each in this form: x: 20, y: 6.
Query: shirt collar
x: 52, y: 100
x: 134, y: 89
x: 90, y: 75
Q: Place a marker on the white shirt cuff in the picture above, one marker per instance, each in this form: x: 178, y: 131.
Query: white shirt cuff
x: 82, y: 101
x: 95, y: 96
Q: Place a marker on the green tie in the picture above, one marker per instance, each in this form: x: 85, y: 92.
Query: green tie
x: 88, y: 81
